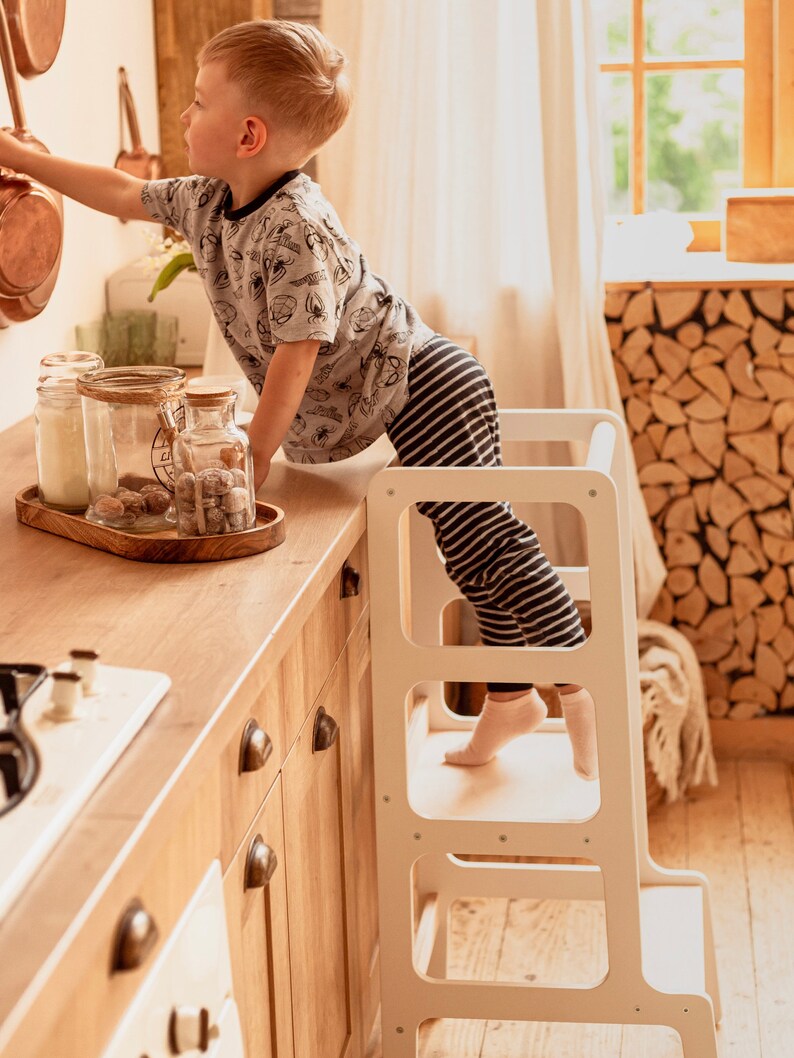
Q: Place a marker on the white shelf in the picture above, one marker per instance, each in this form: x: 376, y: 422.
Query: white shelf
x: 531, y: 779
x: 671, y: 923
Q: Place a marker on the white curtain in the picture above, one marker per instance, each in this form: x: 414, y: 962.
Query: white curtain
x: 468, y: 172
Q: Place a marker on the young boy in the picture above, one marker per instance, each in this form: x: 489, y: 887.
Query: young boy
x: 337, y: 356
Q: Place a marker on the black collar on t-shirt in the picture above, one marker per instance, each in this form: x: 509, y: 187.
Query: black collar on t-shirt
x: 255, y: 203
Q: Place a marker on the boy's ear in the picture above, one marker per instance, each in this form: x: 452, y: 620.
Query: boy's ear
x: 252, y: 138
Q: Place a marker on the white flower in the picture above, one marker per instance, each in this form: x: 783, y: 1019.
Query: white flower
x: 160, y: 252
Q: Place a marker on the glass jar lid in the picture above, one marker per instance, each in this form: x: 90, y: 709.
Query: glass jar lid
x: 132, y: 385
x: 68, y: 365
x: 208, y: 396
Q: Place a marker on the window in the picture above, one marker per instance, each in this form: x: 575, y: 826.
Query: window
x: 697, y: 97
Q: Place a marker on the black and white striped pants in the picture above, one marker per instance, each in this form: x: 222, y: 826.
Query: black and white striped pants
x: 451, y: 420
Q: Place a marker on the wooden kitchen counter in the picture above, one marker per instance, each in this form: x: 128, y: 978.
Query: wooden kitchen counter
x: 205, y: 625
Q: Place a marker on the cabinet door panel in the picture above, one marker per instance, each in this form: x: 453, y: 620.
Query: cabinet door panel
x: 315, y: 888
x: 257, y: 921
x: 358, y: 786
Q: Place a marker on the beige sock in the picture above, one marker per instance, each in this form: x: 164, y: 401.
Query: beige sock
x: 578, y: 709
x: 498, y: 724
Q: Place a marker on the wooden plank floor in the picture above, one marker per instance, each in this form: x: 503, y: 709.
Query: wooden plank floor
x: 741, y: 834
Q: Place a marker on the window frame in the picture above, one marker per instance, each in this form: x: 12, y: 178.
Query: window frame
x: 768, y: 153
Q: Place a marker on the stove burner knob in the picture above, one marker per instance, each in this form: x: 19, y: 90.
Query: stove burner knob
x: 85, y: 664
x: 67, y: 693
x: 189, y: 1029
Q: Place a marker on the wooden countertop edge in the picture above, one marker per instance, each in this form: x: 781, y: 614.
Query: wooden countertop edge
x: 48, y: 957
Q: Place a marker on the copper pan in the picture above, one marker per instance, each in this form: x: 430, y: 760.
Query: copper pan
x: 31, y: 217
x: 137, y: 162
x: 36, y: 28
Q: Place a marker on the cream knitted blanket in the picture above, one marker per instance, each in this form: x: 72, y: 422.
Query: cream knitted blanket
x: 678, y: 745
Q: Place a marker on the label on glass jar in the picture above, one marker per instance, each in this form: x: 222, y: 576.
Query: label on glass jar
x: 162, y: 462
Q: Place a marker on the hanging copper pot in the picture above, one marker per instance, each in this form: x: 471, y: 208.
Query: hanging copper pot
x: 36, y: 28
x: 31, y: 217
x: 137, y: 162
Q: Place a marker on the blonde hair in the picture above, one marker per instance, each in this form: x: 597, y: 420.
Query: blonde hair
x: 290, y: 70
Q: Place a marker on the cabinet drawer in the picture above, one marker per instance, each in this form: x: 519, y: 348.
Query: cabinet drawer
x: 160, y: 889
x: 310, y: 659
x: 252, y: 757
x: 255, y: 893
x: 315, y: 885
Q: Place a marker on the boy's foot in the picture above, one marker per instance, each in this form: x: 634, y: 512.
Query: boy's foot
x: 498, y: 724
x: 578, y: 709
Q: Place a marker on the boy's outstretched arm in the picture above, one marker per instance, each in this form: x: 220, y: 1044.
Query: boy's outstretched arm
x: 98, y: 186
x: 285, y: 384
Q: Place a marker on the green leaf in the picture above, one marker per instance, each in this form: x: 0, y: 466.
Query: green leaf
x: 182, y: 262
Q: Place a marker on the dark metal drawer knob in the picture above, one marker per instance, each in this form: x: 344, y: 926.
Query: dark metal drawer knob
x: 255, y: 747
x: 351, y: 581
x: 260, y: 863
x: 326, y: 731
x: 135, y: 937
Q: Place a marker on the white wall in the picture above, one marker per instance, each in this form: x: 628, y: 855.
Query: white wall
x: 73, y: 109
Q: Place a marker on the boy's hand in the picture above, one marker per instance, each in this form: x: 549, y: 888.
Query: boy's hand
x: 11, y: 151
x: 261, y: 471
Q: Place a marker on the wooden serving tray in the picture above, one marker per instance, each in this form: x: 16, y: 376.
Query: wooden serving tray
x: 163, y: 546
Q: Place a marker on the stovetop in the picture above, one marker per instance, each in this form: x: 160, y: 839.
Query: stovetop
x: 50, y: 765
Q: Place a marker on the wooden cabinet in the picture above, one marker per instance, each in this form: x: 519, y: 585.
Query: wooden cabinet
x: 315, y: 881
x: 294, y: 832
x: 309, y: 938
x: 255, y: 891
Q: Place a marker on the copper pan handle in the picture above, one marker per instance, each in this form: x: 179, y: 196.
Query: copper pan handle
x: 129, y: 109
x: 9, y: 72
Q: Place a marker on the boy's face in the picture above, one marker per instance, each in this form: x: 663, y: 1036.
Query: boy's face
x: 213, y: 122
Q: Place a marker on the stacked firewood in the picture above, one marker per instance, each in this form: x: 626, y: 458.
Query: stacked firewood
x: 707, y: 380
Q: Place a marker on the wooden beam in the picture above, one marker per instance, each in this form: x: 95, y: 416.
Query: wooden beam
x: 638, y: 137
x: 784, y: 94
x: 765, y: 738
x: 758, y: 92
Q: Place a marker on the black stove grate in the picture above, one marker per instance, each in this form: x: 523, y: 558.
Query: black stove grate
x: 19, y: 762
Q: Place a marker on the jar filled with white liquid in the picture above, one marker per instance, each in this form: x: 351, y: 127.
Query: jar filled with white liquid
x: 60, y: 440
x: 60, y: 446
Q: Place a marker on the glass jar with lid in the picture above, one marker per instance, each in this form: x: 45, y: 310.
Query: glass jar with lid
x: 60, y: 444
x: 213, y: 468
x: 131, y: 415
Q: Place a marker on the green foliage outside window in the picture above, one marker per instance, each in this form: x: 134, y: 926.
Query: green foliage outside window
x: 692, y: 149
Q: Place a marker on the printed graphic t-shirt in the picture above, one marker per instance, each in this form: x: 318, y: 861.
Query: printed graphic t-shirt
x: 282, y: 269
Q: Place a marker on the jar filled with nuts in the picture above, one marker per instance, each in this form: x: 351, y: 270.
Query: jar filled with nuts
x: 213, y: 469
x: 130, y: 418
